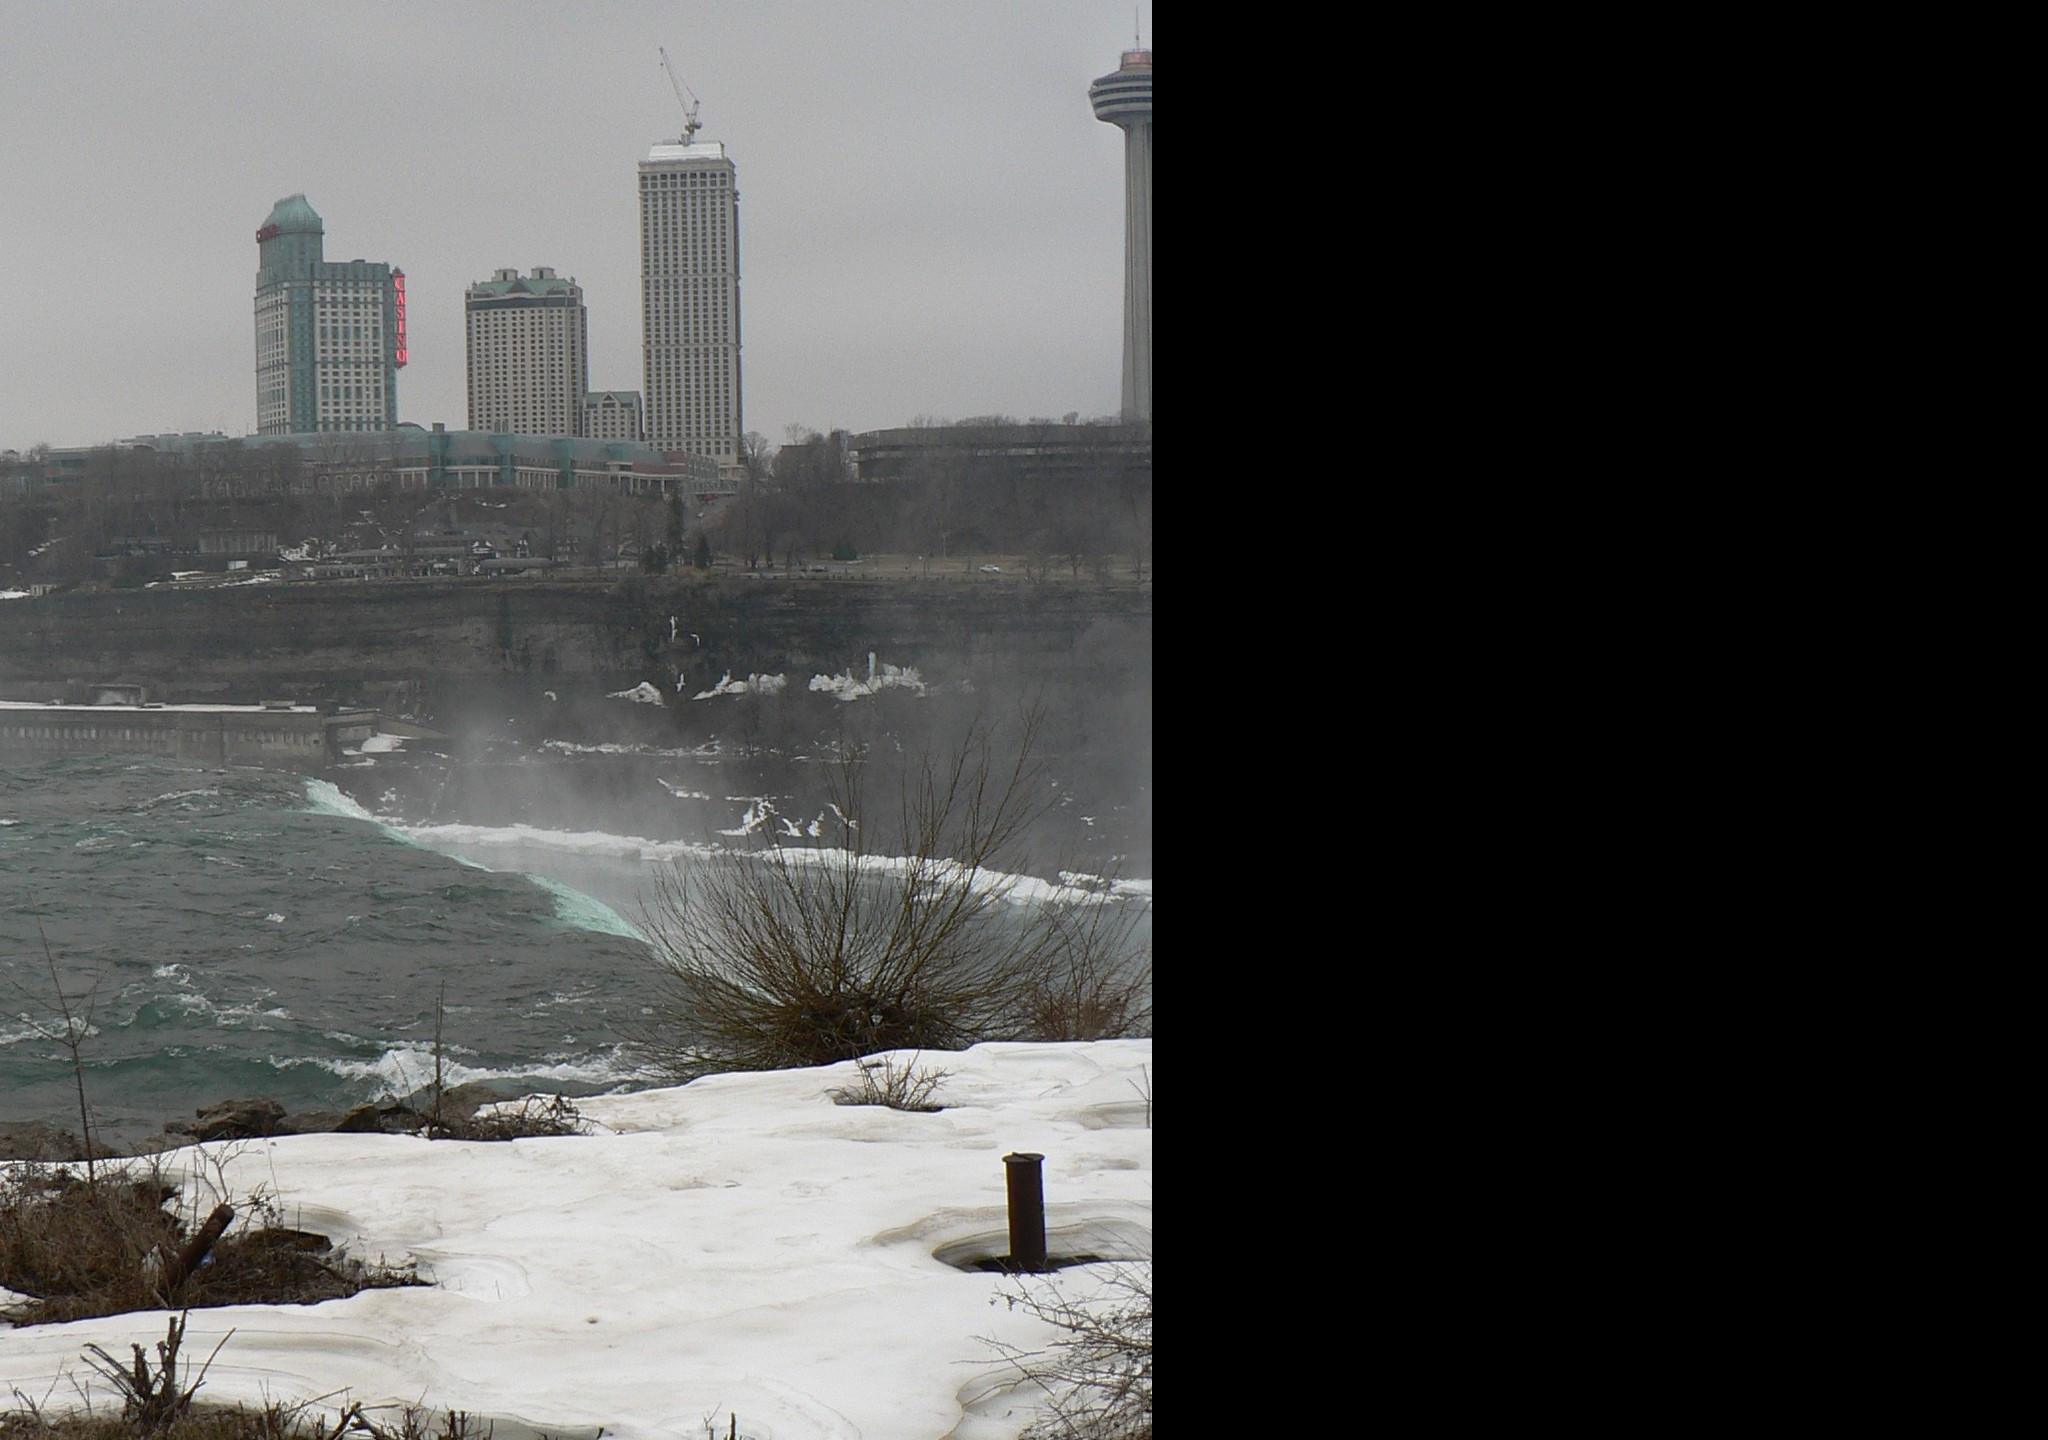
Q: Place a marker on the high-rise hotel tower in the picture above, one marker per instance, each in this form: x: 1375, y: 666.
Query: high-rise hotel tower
x: 1124, y: 99
x: 330, y: 335
x: 529, y: 353
x: 690, y: 299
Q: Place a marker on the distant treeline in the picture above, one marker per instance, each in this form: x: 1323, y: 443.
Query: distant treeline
x: 120, y: 517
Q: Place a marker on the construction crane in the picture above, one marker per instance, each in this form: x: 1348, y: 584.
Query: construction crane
x: 690, y: 125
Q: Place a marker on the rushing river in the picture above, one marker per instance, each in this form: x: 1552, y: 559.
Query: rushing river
x: 234, y: 931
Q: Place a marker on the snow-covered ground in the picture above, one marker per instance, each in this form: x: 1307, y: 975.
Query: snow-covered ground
x: 742, y: 1246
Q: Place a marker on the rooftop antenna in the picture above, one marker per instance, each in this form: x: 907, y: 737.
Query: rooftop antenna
x: 690, y: 125
x: 1136, y: 42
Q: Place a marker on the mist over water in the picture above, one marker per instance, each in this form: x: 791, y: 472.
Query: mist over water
x: 240, y: 932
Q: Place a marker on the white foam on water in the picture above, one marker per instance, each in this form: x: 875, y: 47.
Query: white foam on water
x: 597, y: 844
x: 230, y: 1017
x: 408, y: 1069
x: 1070, y: 889
x: 529, y: 849
x: 181, y: 795
x: 327, y: 799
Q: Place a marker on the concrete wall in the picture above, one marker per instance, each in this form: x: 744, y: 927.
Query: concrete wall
x: 205, y: 736
x: 366, y: 641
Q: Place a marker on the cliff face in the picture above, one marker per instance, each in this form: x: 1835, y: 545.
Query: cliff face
x: 414, y: 645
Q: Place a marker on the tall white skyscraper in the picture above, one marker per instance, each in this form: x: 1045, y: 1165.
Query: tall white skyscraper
x: 529, y: 353
x: 690, y: 299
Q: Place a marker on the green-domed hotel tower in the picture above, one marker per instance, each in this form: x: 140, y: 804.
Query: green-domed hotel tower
x: 330, y: 335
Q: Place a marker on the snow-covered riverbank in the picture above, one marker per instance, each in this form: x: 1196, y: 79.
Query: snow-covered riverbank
x: 740, y: 1246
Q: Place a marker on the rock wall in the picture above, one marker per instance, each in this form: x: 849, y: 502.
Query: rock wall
x: 422, y: 647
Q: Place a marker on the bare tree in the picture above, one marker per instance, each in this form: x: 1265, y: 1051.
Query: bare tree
x: 757, y: 455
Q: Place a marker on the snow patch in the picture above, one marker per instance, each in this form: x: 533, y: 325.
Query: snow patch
x: 880, y: 677
x: 752, y: 685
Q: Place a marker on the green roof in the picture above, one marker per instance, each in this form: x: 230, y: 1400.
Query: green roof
x: 293, y: 213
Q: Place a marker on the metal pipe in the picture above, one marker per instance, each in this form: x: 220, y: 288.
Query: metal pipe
x: 1027, y: 1210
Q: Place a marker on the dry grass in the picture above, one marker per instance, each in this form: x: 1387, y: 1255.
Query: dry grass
x: 81, y: 1247
x: 159, y: 1402
x: 275, y: 1421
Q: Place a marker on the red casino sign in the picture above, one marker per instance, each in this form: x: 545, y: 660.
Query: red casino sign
x: 398, y: 290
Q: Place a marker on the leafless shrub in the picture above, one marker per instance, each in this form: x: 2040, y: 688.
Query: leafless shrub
x: 1094, y: 979
x: 1097, y: 1373
x: 793, y: 956
x: 900, y: 1086
x: 153, y: 1397
x: 534, y: 1116
x: 76, y: 1011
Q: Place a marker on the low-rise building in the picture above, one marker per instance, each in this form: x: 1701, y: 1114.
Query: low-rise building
x: 1025, y: 452
x: 613, y: 415
x: 407, y: 457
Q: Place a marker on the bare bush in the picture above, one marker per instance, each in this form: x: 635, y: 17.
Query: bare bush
x: 536, y: 1115
x: 904, y: 1085
x: 1094, y: 980
x: 153, y: 1396
x: 1097, y: 1373
x: 911, y: 939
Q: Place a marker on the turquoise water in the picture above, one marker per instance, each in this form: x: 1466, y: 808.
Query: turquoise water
x: 232, y: 931
x: 239, y: 932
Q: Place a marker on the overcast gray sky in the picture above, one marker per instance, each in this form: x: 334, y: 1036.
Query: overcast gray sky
x: 931, y: 218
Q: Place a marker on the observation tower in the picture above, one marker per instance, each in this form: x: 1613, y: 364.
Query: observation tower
x: 1124, y: 99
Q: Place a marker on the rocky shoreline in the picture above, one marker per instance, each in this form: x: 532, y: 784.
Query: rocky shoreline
x: 262, y: 1117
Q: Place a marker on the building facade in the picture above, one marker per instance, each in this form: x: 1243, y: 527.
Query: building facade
x: 330, y: 335
x: 612, y: 415
x: 1124, y: 100
x: 1068, y: 453
x: 690, y: 300
x: 408, y: 457
x: 529, y: 353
